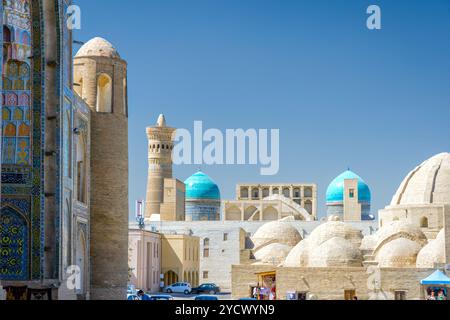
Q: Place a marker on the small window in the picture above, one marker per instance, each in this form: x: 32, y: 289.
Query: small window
x: 205, y: 252
x: 206, y: 242
x: 400, y: 295
x: 351, y: 193
x: 424, y: 222
x: 205, y: 274
x: 225, y: 236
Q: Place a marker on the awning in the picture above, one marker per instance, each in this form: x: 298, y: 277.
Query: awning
x: 437, y: 277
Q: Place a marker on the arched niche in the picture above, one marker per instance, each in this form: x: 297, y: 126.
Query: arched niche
x: 104, y: 93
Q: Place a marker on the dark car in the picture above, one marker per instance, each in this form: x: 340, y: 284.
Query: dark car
x: 210, y: 288
x: 205, y: 298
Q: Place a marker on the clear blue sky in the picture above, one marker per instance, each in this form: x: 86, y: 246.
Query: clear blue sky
x: 341, y: 95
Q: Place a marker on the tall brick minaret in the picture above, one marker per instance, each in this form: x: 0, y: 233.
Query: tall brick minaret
x: 160, y: 146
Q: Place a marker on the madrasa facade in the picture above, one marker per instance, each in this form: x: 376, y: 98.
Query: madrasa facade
x: 63, y: 231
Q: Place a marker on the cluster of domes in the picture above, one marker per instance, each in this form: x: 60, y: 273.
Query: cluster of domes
x: 399, y: 245
x: 274, y: 240
x: 332, y: 244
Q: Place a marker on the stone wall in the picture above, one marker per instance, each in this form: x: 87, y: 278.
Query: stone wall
x: 331, y: 283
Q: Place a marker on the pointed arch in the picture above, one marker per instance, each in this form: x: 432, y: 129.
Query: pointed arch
x: 104, y: 93
x: 14, y: 240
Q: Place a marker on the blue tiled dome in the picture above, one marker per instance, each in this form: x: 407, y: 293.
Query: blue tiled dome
x: 201, y: 186
x: 335, y: 191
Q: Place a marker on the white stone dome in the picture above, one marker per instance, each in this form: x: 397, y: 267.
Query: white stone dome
x: 335, y: 252
x: 398, y: 253
x: 333, y: 229
x: 298, y: 256
x: 399, y: 229
x: 276, y: 232
x: 429, y: 183
x: 98, y: 47
x: 432, y: 253
x: 274, y: 254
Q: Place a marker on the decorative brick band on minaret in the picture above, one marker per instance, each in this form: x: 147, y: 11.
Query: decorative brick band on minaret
x: 160, y: 146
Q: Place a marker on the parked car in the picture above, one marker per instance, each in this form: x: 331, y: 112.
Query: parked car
x: 179, y: 287
x: 131, y: 289
x: 136, y: 297
x: 210, y: 288
x: 161, y: 297
x: 205, y: 297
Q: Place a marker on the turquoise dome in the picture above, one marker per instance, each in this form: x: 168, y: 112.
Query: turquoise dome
x: 335, y: 191
x: 201, y: 186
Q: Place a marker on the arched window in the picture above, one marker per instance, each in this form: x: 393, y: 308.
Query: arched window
x: 424, y: 222
x: 308, y: 192
x: 104, y: 93
x: 6, y: 34
x: 275, y: 191
x: 206, y: 242
x: 286, y: 192
x: 81, y: 167
x: 244, y: 193
x: 255, y: 193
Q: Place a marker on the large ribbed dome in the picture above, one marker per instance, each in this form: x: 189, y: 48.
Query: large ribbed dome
x: 335, y: 191
x: 200, y: 186
x: 98, y: 47
x: 429, y: 183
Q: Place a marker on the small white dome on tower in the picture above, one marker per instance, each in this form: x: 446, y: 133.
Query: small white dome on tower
x: 98, y: 47
x: 161, y: 121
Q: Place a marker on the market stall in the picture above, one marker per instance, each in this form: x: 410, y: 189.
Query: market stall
x: 436, y: 286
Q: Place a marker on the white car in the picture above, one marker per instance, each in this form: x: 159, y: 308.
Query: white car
x: 179, y: 287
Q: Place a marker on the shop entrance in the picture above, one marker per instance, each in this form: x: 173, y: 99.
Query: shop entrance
x: 266, y: 288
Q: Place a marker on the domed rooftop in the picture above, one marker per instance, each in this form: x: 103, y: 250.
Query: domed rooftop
x: 335, y: 252
x: 276, y: 231
x: 298, y: 256
x: 398, y: 253
x: 433, y: 253
x: 98, y: 47
x: 335, y: 191
x: 274, y: 253
x: 399, y: 229
x: 429, y: 183
x: 333, y: 229
x: 201, y: 186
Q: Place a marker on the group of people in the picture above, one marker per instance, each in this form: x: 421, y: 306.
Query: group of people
x: 263, y: 293
x: 440, y: 295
